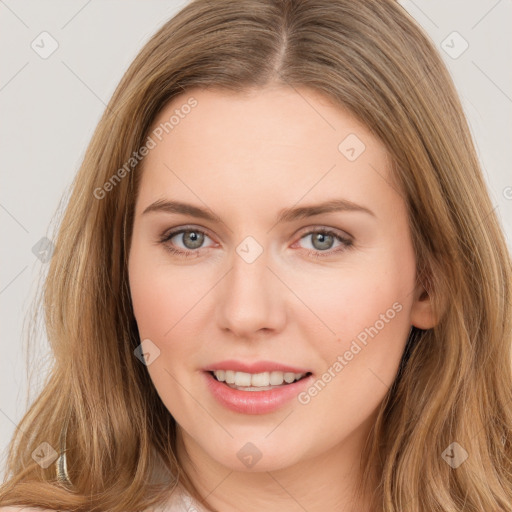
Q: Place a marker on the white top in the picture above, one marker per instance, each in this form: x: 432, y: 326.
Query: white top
x: 180, y: 501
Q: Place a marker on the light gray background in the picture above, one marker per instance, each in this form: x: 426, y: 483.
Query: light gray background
x: 50, y: 107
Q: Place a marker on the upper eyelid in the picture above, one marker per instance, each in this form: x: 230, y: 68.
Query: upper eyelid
x: 178, y: 231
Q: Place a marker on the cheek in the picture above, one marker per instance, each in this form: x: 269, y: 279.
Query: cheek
x: 369, y: 314
x: 161, y: 294
x: 368, y: 308
x: 169, y: 310
x: 163, y: 301
x: 354, y: 299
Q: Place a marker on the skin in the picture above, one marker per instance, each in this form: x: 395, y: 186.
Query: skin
x: 246, y: 157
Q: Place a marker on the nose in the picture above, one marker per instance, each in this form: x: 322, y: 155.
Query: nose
x: 251, y: 299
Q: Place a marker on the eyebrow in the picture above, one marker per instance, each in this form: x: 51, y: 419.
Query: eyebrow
x: 285, y: 215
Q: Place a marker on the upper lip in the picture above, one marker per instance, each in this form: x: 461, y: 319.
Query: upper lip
x: 254, y: 367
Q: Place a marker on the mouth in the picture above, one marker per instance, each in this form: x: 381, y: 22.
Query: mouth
x: 259, y: 395
x: 264, y: 381
x: 255, y: 387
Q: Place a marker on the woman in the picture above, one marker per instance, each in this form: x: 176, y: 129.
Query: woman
x: 280, y: 283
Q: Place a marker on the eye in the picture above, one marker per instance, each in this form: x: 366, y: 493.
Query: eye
x: 191, y: 238
x: 322, y: 241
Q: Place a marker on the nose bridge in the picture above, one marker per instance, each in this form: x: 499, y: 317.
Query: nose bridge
x: 250, y: 298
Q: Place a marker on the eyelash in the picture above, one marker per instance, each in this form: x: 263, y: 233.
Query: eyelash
x: 346, y: 243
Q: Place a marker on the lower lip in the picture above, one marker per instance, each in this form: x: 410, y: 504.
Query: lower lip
x: 255, y: 402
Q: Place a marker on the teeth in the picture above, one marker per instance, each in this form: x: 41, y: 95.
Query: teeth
x: 260, y: 379
x: 290, y: 377
x: 276, y: 378
x: 256, y: 379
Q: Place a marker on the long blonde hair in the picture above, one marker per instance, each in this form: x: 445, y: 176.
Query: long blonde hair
x: 455, y: 380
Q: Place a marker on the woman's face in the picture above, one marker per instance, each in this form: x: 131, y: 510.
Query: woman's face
x: 294, y: 257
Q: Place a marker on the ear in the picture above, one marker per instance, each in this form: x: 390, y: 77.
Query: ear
x: 422, y: 311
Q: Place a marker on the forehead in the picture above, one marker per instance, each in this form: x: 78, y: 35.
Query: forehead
x: 261, y: 143
x: 274, y: 115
